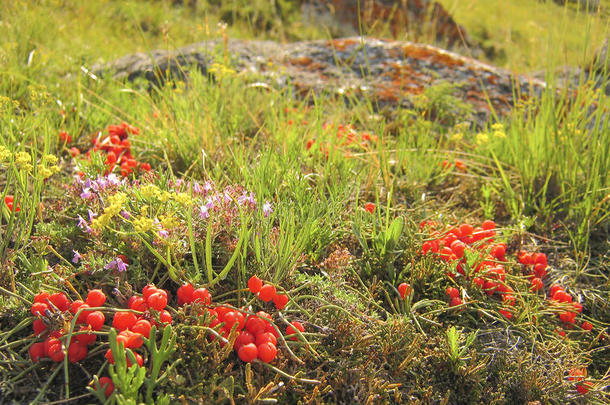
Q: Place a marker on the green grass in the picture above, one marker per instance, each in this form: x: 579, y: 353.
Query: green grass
x: 541, y: 174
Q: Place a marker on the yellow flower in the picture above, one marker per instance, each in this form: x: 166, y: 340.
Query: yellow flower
x: 23, y: 159
x: 51, y: 159
x: 143, y: 224
x: 183, y: 198
x: 456, y: 137
x: 482, y: 138
x: 4, y: 153
x: 499, y: 134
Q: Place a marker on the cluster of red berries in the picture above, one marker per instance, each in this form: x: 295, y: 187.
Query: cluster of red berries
x: 578, y: 375
x: 117, y: 149
x: 50, y: 309
x: 267, y: 292
x: 133, y: 327
x: 256, y: 335
x: 458, y: 164
x: 488, y: 272
x: 347, y: 136
x: 65, y: 137
x: 9, y: 201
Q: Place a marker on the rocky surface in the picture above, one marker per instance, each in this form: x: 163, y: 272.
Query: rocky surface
x: 420, y: 17
x: 393, y: 72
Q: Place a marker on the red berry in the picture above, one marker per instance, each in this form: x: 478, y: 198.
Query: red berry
x: 507, y: 314
x: 458, y: 247
x: 124, y: 320
x: 265, y: 337
x: 39, y: 309
x: 85, y: 338
x: 369, y: 207
x: 233, y: 317
x: 149, y: 290
x: 243, y: 338
x: 280, y: 301
x: 142, y: 327
x: 455, y: 301
x: 145, y: 166
x: 165, y: 317
x: 488, y: 225
x: 96, y: 298
x: 466, y: 229
x: 292, y: 328
x: 453, y: 292
x: 267, y: 292
x: 404, y: 289
x: 41, y: 297
x: 255, y: 284
x: 586, y: 326
x: 202, y: 295
x: 137, y: 303
x: 96, y: 320
x: 109, y: 386
x: 82, y: 317
x: 479, y: 282
x: 267, y: 352
x: 255, y: 325
x: 139, y: 360
x: 536, y: 284
x: 109, y: 356
x: 157, y: 301
x: 56, y: 353
x: 584, y: 387
x: 75, y: 306
x: 37, y: 351
x: 185, y: 294
x: 39, y: 326
x: 60, y: 301
x: 76, y: 352
x: 248, y: 352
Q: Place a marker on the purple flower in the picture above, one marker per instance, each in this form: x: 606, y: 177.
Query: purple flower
x: 267, y: 209
x: 118, y: 264
x: 247, y: 199
x: 125, y: 214
x: 91, y: 215
x: 196, y: 188
x: 82, y: 224
x: 76, y: 257
x: 204, y: 211
x: 163, y: 233
x: 86, y: 194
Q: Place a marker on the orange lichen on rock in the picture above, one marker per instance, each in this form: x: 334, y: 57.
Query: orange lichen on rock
x: 423, y: 52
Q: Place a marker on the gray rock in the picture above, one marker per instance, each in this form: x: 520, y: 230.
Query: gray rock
x: 394, y: 73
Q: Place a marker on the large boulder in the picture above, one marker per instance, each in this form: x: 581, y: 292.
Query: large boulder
x: 394, y: 73
x: 423, y: 18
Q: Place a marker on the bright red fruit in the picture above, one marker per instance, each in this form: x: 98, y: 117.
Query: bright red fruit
x: 42, y: 297
x: 536, y: 284
x: 124, y: 320
x: 39, y: 326
x: 157, y: 301
x: 137, y: 303
x: 369, y: 207
x: 60, y: 301
x: 458, y: 247
x: 292, y: 328
x: 455, y: 301
x: 185, y: 294
x: 96, y: 320
x: 466, y: 229
x: 96, y: 298
x: 404, y: 289
x: 265, y: 337
x: 586, y: 326
x: 165, y: 317
x: 107, y: 382
x: 39, y: 309
x: 267, y: 292
x: 142, y: 327
x: 584, y: 387
x: 37, y: 351
x: 488, y: 225
x: 243, y: 338
x: 202, y: 295
x: 266, y: 352
x: 149, y: 290
x: 248, y: 352
x: 76, y: 352
x: 75, y: 306
x: 255, y: 325
x: 255, y: 284
x: 453, y: 292
x: 280, y: 301
x: 9, y: 200
x: 56, y: 353
x: 85, y: 338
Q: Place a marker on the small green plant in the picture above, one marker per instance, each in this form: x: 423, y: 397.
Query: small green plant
x: 457, y: 352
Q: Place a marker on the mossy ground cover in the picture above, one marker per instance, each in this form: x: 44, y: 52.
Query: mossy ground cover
x: 424, y: 263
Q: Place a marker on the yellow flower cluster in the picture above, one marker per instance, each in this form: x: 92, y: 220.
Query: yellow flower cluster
x: 115, y: 205
x: 143, y: 224
x: 49, y: 166
x: 5, y: 154
x: 498, y: 130
x: 169, y: 221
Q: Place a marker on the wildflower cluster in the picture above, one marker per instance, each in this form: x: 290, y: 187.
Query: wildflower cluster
x: 345, y: 137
